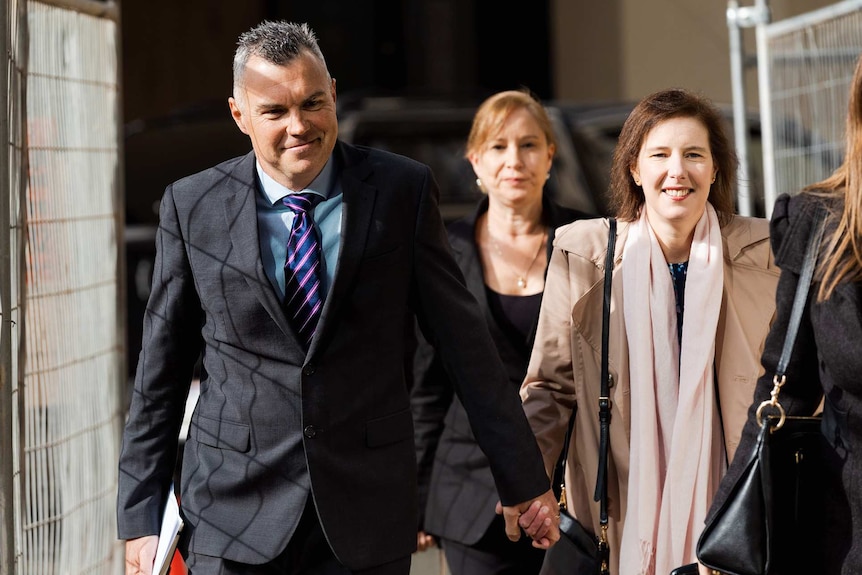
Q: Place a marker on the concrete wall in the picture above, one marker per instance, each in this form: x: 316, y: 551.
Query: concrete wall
x: 629, y: 48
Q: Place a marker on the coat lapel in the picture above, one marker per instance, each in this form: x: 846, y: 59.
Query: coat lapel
x: 241, y: 216
x: 358, y: 207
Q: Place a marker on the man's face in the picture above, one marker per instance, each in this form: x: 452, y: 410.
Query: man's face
x: 289, y: 114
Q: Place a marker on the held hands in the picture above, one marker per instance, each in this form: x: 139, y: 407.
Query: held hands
x: 140, y: 555
x: 539, y: 518
x: 425, y: 541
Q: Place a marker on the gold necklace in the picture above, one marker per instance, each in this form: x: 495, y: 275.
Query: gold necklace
x: 521, y: 278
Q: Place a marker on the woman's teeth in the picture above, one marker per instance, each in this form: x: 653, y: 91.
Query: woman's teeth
x: 677, y: 193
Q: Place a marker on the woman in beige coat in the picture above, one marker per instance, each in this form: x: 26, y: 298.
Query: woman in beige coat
x: 693, y: 296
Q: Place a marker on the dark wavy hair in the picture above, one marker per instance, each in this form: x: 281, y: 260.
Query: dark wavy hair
x: 626, y: 197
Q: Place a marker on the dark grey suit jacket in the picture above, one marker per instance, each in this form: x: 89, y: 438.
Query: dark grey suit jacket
x: 456, y: 486
x: 273, y: 424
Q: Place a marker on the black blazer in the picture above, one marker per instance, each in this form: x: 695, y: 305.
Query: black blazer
x: 273, y: 424
x: 456, y: 487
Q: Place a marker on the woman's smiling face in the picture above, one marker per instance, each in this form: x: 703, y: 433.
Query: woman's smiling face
x: 675, y: 169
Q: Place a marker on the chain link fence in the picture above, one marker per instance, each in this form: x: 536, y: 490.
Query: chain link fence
x: 806, y: 64
x: 63, y: 320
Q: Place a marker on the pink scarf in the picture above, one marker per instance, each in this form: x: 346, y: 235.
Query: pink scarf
x: 677, y: 453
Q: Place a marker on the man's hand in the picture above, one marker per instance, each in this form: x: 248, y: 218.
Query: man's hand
x: 539, y: 518
x: 140, y: 555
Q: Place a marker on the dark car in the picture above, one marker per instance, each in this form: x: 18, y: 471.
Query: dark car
x: 435, y: 133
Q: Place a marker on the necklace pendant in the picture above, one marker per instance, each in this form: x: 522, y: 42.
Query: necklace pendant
x: 522, y: 282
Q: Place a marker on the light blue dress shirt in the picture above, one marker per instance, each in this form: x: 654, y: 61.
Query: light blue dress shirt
x: 274, y: 220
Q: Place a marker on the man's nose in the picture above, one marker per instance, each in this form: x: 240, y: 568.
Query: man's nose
x: 295, y: 123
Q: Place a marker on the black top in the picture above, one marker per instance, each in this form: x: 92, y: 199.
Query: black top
x: 516, y: 315
x: 678, y: 273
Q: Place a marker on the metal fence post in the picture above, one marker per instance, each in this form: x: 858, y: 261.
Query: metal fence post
x: 739, y: 17
x: 7, y: 491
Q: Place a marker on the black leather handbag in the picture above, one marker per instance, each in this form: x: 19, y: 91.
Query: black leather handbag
x: 579, y: 552
x: 775, y: 513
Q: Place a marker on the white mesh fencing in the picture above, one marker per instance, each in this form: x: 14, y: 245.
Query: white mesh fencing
x: 70, y: 373
x: 811, y: 59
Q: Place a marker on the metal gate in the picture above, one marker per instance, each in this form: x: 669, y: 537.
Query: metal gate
x: 62, y: 339
x: 804, y: 68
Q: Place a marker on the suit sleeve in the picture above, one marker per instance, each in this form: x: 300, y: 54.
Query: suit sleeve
x: 170, y: 348
x: 430, y: 399
x: 453, y: 323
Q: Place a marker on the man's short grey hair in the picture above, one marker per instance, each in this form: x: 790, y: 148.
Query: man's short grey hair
x: 276, y: 42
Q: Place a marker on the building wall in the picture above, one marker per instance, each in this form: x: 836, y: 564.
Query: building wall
x: 178, y: 54
x: 629, y: 48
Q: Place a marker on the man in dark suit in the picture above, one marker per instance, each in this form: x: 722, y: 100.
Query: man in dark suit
x: 300, y: 455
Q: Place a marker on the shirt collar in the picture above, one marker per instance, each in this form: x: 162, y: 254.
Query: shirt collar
x: 321, y: 185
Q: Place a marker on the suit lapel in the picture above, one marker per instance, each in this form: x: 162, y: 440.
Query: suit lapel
x: 466, y: 252
x: 357, y: 210
x: 241, y: 216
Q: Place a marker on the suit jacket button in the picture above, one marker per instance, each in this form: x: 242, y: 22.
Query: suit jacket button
x: 309, y: 431
x: 308, y: 370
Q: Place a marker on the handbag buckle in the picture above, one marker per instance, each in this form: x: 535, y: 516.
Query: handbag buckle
x: 778, y: 383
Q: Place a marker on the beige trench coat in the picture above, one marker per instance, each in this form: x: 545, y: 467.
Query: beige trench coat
x: 566, y: 360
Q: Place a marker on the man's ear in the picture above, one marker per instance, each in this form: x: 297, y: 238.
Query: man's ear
x: 236, y: 113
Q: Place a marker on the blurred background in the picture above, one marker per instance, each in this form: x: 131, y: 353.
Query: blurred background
x: 107, y: 102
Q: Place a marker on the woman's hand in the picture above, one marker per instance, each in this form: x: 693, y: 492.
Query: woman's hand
x: 425, y: 541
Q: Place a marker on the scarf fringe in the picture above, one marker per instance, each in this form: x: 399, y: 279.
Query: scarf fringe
x: 647, y: 556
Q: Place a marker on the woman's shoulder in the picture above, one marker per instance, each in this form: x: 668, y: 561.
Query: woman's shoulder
x: 746, y: 243
x: 794, y: 218
x: 585, y: 236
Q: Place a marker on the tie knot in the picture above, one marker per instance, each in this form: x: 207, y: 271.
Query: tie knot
x: 301, y: 203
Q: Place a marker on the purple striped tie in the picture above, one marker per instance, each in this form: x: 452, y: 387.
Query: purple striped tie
x: 302, y: 289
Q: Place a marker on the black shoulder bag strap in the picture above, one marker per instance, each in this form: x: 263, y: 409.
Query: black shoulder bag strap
x: 799, y: 301
x: 601, y: 494
x: 604, y: 413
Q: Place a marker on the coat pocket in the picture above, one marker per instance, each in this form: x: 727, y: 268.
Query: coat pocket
x: 389, y: 429
x: 221, y: 434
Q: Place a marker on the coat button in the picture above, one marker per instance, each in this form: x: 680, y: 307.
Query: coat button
x: 309, y: 431
x: 308, y: 370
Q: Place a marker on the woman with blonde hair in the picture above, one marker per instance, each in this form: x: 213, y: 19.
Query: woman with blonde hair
x: 502, y: 249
